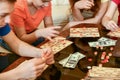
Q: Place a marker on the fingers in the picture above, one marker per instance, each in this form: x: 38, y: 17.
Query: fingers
x: 84, y: 4
x: 50, y: 61
x: 53, y: 33
x: 40, y: 67
x: 49, y: 56
x: 50, y: 39
x: 39, y: 61
x: 57, y: 27
x: 89, y: 4
x: 39, y: 64
x: 111, y: 25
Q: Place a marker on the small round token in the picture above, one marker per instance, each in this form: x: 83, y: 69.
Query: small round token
x: 109, y: 54
x: 100, y: 65
x: 111, y: 48
x: 101, y: 47
x: 89, y: 67
x: 95, y: 53
x: 89, y: 59
x: 107, y: 57
x: 97, y: 46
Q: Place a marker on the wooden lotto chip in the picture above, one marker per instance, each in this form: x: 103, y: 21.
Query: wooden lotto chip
x: 101, y: 47
x: 100, y: 65
x: 89, y: 67
x: 97, y: 47
x: 107, y: 57
x: 111, y: 48
x: 95, y: 53
x: 110, y: 54
x: 90, y: 59
x: 104, y: 61
x: 103, y: 55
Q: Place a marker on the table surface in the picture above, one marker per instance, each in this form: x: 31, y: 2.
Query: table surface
x: 78, y: 72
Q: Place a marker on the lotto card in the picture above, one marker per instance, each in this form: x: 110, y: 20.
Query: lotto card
x: 114, y: 33
x: 58, y: 44
x: 105, y: 72
x: 84, y: 32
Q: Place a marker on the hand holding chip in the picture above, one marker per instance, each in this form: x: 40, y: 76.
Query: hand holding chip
x: 48, y: 55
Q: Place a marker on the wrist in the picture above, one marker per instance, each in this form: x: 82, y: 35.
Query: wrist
x: 38, y: 33
x: 9, y: 75
x: 28, y: 51
x: 15, y: 73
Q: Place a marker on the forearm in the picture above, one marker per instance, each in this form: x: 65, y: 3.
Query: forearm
x: 29, y: 38
x: 48, y: 21
x: 109, y: 14
x: 28, y: 51
x: 77, y: 15
x: 105, y: 20
x: 10, y: 75
x: 20, y: 47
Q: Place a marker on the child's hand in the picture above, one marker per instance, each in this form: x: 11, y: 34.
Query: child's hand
x: 31, y: 68
x: 111, y: 25
x: 48, y: 55
x: 48, y: 32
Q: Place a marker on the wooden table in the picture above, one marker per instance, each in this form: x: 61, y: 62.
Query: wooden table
x: 64, y: 76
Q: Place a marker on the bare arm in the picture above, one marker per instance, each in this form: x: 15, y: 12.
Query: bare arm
x: 48, y: 21
x: 94, y: 20
x: 23, y: 35
x: 48, y: 32
x: 99, y: 15
x: 20, y: 47
x: 107, y: 19
x: 78, y: 6
x: 29, y: 69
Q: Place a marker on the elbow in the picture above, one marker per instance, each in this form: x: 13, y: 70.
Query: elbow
x: 25, y: 39
x: 104, y: 21
x: 97, y: 21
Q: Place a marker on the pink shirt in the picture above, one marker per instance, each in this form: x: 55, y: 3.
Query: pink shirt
x: 21, y: 16
x: 117, y: 2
